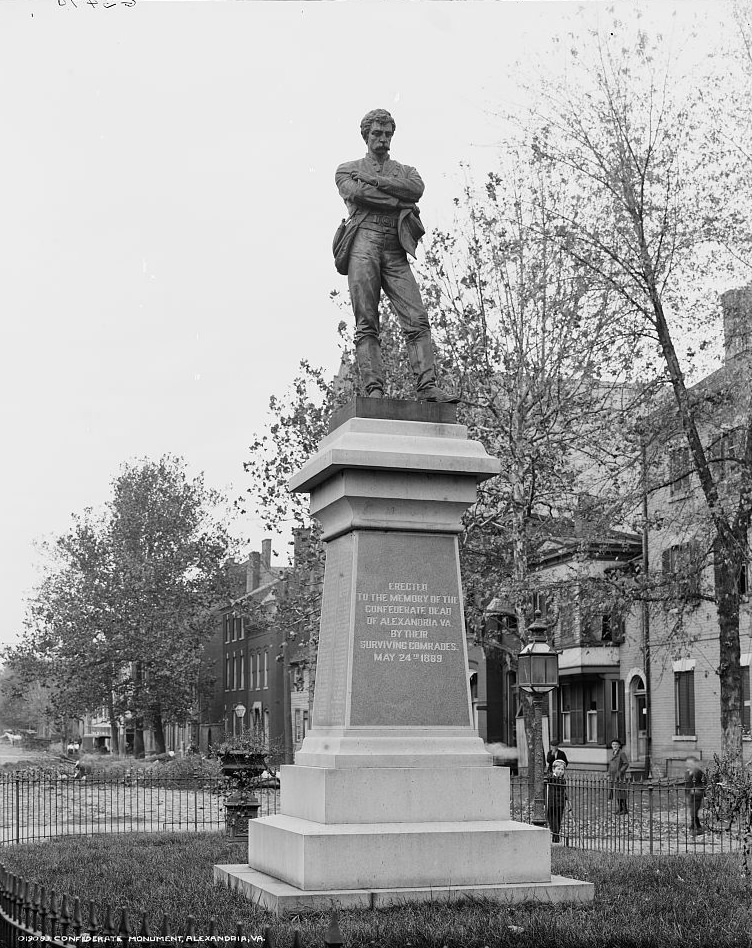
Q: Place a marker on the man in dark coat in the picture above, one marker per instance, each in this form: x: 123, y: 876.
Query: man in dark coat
x: 381, y: 196
x: 618, y: 767
x: 694, y: 783
x: 555, y: 753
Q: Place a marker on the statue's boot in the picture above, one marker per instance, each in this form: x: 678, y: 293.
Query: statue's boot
x: 420, y: 353
x: 370, y: 366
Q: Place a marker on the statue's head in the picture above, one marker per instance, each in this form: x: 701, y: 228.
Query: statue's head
x: 378, y: 117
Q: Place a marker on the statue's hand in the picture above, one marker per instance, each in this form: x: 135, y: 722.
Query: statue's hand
x: 365, y: 178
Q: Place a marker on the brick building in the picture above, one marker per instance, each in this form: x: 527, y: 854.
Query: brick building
x: 646, y: 675
x: 251, y: 676
x: 685, y: 688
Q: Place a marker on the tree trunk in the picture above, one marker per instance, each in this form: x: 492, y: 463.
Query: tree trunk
x: 138, y: 739
x: 158, y: 728
x: 288, y: 743
x: 726, y: 565
x: 114, y: 728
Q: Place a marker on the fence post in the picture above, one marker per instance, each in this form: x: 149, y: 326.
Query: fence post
x: 333, y: 935
x: 650, y: 815
x: 17, y: 806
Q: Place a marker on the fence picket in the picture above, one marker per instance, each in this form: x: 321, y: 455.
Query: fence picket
x: 124, y: 928
x: 93, y: 926
x: 78, y: 923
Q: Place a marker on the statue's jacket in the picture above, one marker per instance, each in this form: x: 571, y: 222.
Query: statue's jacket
x: 399, y: 185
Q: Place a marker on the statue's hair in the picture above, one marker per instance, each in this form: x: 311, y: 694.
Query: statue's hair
x: 375, y: 115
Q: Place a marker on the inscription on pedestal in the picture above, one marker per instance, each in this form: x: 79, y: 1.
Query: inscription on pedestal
x: 408, y: 662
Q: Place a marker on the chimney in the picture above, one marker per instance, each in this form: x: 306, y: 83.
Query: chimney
x: 266, y: 554
x: 253, y: 572
x: 301, y: 541
x: 737, y: 321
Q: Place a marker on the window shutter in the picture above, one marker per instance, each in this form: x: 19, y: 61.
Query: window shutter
x: 622, y: 727
x: 691, y: 701
x: 599, y: 689
x: 745, y: 699
x: 576, y: 716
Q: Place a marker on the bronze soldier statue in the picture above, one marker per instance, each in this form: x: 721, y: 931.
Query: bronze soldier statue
x: 384, y: 226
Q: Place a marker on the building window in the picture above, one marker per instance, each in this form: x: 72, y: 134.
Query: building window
x: 566, y: 618
x: 684, y: 695
x: 681, y: 563
x: 234, y: 671
x: 590, y: 702
x: 746, y: 718
x: 612, y: 628
x: 227, y: 673
x: 592, y: 724
x: 566, y: 714
x: 679, y: 471
x: 615, y: 696
x: 298, y: 726
x: 227, y: 620
x: 242, y: 670
x: 238, y: 628
x: 722, y: 454
x: 266, y: 668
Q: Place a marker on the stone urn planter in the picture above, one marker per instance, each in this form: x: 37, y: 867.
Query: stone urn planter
x: 242, y: 769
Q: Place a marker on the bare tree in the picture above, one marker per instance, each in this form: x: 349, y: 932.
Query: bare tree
x: 655, y: 187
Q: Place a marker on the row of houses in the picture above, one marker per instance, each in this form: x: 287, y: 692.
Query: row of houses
x: 645, y: 674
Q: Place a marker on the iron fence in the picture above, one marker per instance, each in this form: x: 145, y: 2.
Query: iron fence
x: 41, y: 805
x: 29, y: 913
x: 658, y: 817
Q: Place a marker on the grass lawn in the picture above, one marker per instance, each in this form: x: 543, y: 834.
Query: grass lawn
x: 657, y: 901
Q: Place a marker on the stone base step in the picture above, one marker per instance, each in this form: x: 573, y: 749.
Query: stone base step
x: 316, y: 856
x: 282, y: 898
x: 395, y: 794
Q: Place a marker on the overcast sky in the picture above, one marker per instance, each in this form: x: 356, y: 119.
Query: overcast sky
x: 167, y: 214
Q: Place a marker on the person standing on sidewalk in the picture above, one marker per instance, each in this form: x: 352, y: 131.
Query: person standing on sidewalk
x: 555, y: 753
x: 694, y: 790
x: 556, y: 798
x: 618, y: 765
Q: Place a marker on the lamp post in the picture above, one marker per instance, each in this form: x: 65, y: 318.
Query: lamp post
x: 239, y: 710
x: 537, y: 674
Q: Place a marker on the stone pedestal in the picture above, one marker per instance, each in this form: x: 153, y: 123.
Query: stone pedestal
x: 392, y: 796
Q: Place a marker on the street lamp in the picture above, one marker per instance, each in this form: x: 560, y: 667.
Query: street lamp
x: 239, y: 710
x: 537, y: 674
